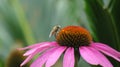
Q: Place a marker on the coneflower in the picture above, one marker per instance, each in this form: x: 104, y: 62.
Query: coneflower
x: 70, y: 40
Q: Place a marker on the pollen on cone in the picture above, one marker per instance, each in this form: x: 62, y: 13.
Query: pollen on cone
x: 74, y: 36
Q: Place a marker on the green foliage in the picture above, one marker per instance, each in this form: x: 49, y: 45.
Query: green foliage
x: 104, y: 22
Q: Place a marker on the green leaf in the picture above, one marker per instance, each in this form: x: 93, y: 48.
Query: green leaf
x: 103, y: 24
x: 116, y: 15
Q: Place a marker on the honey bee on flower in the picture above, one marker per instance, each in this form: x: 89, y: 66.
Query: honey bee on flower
x: 55, y: 30
x: 67, y: 40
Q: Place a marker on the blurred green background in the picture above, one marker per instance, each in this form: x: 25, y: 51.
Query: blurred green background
x: 25, y: 22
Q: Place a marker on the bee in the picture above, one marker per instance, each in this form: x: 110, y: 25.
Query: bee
x: 55, y: 30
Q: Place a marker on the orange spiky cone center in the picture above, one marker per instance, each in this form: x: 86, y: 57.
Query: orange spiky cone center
x: 73, y: 36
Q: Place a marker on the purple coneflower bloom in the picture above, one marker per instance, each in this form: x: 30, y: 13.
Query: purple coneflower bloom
x: 69, y: 40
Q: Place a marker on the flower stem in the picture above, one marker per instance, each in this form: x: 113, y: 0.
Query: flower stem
x: 77, y: 57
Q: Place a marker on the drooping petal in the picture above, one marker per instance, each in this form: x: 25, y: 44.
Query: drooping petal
x: 29, y: 52
x: 88, y: 55
x: 55, y: 56
x: 69, y: 60
x: 39, y: 45
x: 35, y: 49
x: 39, y: 50
x: 33, y: 46
x: 43, y: 58
x: 93, y: 56
x: 28, y: 59
x: 107, y: 50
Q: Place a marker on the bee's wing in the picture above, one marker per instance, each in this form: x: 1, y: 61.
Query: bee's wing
x: 51, y: 33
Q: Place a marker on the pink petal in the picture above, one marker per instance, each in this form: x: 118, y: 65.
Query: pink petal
x: 33, y: 53
x: 39, y: 49
x: 55, y: 56
x: 43, y: 58
x: 28, y: 59
x: 107, y: 50
x: 93, y: 56
x: 30, y: 52
x: 69, y: 60
x: 39, y: 45
x: 88, y: 55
